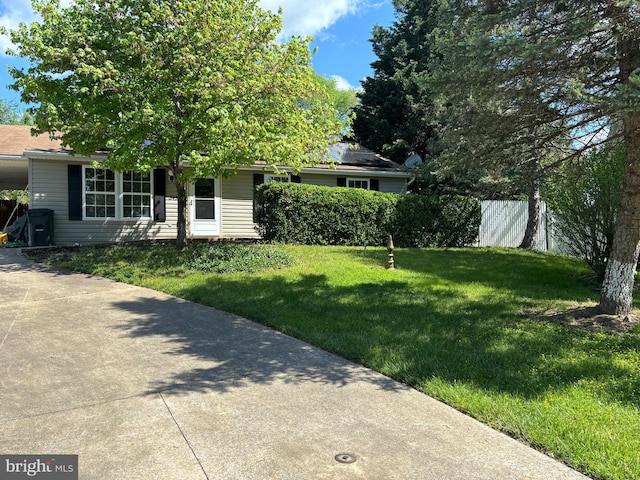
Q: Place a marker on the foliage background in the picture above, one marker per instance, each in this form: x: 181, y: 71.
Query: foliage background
x: 584, y: 199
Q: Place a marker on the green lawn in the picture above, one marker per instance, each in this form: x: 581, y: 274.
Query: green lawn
x: 461, y: 325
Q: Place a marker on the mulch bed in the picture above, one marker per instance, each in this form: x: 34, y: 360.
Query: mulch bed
x: 591, y: 319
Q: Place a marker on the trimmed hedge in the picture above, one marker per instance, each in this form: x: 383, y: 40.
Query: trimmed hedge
x: 436, y: 221
x: 314, y: 215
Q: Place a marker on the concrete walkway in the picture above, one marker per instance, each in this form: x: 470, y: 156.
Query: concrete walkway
x: 142, y: 385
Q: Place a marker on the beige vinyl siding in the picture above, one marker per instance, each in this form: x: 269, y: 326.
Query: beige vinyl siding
x: 321, y: 180
x: 387, y: 184
x: 237, y: 206
x: 393, y: 185
x: 49, y: 185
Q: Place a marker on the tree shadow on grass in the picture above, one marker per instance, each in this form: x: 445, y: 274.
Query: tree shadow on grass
x: 510, y: 347
x: 479, y: 341
x: 535, y: 275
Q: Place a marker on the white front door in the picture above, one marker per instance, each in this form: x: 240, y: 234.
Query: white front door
x: 204, y: 202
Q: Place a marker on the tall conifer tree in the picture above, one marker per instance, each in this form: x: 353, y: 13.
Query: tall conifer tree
x: 536, y: 75
x: 394, y: 116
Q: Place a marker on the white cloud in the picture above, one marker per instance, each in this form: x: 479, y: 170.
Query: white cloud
x: 301, y: 17
x: 341, y: 83
x: 12, y: 13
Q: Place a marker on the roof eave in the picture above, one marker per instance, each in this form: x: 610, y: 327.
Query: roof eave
x: 327, y: 170
x: 57, y: 155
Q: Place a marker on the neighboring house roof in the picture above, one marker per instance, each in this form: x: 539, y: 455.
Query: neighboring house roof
x: 15, y: 139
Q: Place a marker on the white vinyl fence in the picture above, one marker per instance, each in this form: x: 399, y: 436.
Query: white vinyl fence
x: 504, y: 223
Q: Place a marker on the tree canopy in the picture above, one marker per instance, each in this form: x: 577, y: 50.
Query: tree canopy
x: 343, y: 100
x: 400, y: 111
x: 395, y: 115
x: 521, y: 77
x: 199, y: 86
x: 12, y: 114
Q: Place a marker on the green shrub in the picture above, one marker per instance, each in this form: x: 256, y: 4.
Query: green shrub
x: 229, y: 257
x: 436, y: 221
x: 584, y: 198
x: 313, y: 215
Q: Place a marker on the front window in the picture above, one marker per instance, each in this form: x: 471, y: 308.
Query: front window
x: 100, y: 193
x: 136, y: 195
x: 358, y: 183
x: 108, y: 194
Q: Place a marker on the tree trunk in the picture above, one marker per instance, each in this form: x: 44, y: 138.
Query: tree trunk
x: 181, y: 238
x: 617, y: 287
x: 616, y: 297
x: 530, y: 240
x: 177, y: 168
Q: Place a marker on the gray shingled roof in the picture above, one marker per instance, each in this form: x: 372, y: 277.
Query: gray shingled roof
x: 350, y: 154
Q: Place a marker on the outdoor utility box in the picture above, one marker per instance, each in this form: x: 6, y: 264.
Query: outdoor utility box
x: 40, y: 222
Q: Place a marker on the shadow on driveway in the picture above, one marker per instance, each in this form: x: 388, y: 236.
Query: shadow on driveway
x: 241, y: 352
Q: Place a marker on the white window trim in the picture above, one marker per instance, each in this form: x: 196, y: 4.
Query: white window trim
x: 359, y: 180
x: 119, y: 194
x: 134, y: 194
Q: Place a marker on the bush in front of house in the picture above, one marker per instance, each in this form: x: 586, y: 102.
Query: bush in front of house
x: 436, y: 221
x: 315, y: 215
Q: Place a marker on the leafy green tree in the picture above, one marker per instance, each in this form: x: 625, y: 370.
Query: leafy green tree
x: 11, y: 114
x: 549, y: 76
x: 343, y: 101
x: 394, y: 116
x: 583, y: 199
x: 17, y: 195
x: 201, y: 87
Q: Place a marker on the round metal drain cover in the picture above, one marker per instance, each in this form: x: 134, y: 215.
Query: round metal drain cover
x: 345, y: 458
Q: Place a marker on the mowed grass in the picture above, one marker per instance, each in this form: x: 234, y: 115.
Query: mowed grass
x: 463, y: 326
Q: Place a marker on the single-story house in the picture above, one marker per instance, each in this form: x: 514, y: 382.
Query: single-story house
x: 95, y: 205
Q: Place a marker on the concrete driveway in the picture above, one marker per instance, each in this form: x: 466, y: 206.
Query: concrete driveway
x: 142, y: 385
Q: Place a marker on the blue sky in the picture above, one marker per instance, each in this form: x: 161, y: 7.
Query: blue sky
x: 341, y: 31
